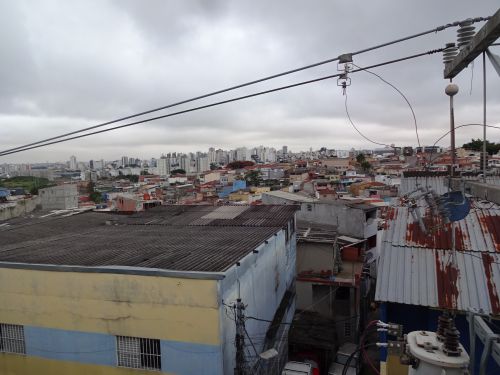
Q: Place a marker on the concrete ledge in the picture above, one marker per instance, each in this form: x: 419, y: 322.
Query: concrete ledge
x: 121, y: 270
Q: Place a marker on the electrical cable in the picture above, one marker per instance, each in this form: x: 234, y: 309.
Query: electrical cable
x: 260, y: 80
x: 356, y: 128
x: 351, y: 356
x: 362, y: 346
x: 22, y: 148
x: 401, y: 93
x: 448, y: 132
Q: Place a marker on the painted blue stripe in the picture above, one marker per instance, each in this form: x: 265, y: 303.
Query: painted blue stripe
x: 100, y: 349
x: 191, y: 359
x: 83, y: 347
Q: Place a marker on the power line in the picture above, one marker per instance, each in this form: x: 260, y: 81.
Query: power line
x: 434, y: 30
x: 448, y: 132
x: 22, y: 148
x: 356, y: 128
x: 404, y: 97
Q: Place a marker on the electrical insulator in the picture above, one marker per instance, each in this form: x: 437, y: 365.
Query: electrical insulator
x: 465, y: 33
x: 449, y: 53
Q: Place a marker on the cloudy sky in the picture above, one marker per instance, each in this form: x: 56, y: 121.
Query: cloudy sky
x: 72, y: 64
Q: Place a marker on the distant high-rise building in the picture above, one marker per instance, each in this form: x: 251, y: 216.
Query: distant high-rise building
x: 91, y: 164
x: 72, y: 163
x: 202, y: 164
x: 124, y: 161
x: 243, y: 154
x: 99, y: 164
x: 212, y: 155
x: 163, y: 166
x: 284, y: 150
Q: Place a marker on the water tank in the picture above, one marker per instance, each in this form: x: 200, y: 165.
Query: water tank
x: 431, y: 359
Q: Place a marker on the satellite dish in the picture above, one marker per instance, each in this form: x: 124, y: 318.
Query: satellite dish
x: 455, y: 205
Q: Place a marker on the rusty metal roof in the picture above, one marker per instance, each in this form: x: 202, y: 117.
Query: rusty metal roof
x: 436, y: 181
x: 479, y: 231
x: 178, y: 238
x: 427, y: 277
x: 416, y: 267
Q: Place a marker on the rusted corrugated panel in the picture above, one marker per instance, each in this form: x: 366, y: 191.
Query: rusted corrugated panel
x: 427, y: 277
x: 479, y: 231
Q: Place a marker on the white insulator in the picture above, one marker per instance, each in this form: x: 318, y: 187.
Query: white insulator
x: 465, y: 33
x: 449, y: 53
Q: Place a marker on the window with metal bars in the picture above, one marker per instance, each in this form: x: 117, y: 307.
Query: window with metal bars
x: 12, y: 339
x: 136, y: 352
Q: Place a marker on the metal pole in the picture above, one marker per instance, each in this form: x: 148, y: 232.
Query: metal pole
x: 451, y: 90
x: 452, y: 134
x: 485, y: 163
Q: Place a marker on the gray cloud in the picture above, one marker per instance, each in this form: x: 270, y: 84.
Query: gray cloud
x: 71, y: 64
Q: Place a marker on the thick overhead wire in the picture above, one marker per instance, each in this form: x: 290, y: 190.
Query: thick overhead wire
x: 448, y: 132
x: 22, y: 148
x: 400, y: 93
x: 267, y: 78
x: 356, y: 128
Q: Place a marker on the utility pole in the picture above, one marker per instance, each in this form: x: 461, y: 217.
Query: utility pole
x: 485, y: 155
x: 241, y: 367
x: 451, y: 90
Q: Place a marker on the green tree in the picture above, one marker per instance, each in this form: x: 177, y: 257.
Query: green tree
x: 213, y: 166
x: 178, y: 171
x: 95, y: 197
x: 253, y: 178
x: 90, y: 188
x: 477, y: 145
x: 360, y: 158
x: 240, y: 164
x: 366, y: 166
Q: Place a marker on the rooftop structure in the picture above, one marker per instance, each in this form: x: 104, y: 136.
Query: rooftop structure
x: 88, y: 292
x: 169, y: 238
x: 417, y: 268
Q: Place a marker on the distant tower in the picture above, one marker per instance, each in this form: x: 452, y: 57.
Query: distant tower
x: 72, y: 163
x: 124, y: 161
x: 284, y: 150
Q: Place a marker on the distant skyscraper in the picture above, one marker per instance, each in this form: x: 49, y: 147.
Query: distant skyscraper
x: 124, y: 161
x: 212, y: 156
x: 285, y: 150
x: 202, y: 164
x: 163, y: 166
x: 91, y: 164
x: 72, y: 163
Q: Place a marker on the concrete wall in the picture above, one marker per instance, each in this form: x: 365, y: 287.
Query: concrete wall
x: 262, y: 279
x: 350, y: 221
x: 19, y: 208
x: 72, y: 318
x: 60, y: 197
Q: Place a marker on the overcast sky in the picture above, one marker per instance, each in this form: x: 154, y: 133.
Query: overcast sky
x: 72, y: 64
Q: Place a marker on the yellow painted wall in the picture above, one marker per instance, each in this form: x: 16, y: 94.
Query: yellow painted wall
x: 239, y: 197
x: 129, y: 305
x: 11, y: 364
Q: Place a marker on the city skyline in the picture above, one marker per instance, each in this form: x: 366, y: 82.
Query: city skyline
x: 136, y: 61
x: 277, y: 150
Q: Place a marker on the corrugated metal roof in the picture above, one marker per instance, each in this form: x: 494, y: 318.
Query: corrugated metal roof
x: 189, y: 248
x: 427, y: 277
x: 417, y: 267
x: 479, y: 231
x: 173, y: 238
x: 437, y: 183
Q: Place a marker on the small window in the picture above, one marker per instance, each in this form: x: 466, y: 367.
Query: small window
x: 137, y: 352
x: 12, y: 339
x: 309, y: 207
